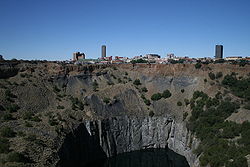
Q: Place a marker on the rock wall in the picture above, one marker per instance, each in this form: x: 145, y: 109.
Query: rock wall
x: 124, y: 134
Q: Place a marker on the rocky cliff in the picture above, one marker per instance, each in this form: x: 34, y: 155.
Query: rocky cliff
x: 78, y: 114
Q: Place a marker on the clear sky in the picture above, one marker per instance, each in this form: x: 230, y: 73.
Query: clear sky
x: 54, y: 29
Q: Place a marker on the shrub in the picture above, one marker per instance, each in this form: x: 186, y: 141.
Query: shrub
x: 151, y: 114
x: 4, y: 145
x: 106, y: 100
x: 126, y: 73
x: 182, y: 90
x: 179, y: 103
x: 147, y: 102
x: 198, y: 65
x: 137, y: 82
x: 7, y: 117
x: 144, y: 89
x: 110, y: 83
x: 211, y: 75
x: 218, y: 75
x: 9, y: 94
x: 13, y: 108
x: 185, y: 115
x: 7, y: 132
x: 60, y: 107
x: 156, y: 96
x: 28, y: 124
x: 205, y: 80
x: 17, y: 157
x: 186, y: 101
x: 56, y: 89
x: 28, y: 115
x: 95, y: 85
x: 166, y: 94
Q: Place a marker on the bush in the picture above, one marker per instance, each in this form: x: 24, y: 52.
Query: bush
x: 156, y: 96
x: 9, y: 94
x: 144, y: 89
x: 4, y: 145
x: 185, y: 115
x: 28, y: 115
x: 139, y: 61
x: 218, y: 75
x: 211, y: 75
x: 7, y: 132
x: 182, y: 90
x: 151, y: 114
x: 147, y: 102
x: 13, y: 108
x: 198, y: 65
x: 56, y: 89
x: 95, y: 85
x: 205, y: 80
x: 7, y: 117
x: 179, y: 103
x: 106, y: 100
x: 137, y: 82
x: 17, y: 157
x: 166, y: 94
x: 28, y: 124
x: 60, y: 107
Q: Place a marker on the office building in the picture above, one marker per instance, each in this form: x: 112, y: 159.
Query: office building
x: 218, y: 51
x: 103, y: 51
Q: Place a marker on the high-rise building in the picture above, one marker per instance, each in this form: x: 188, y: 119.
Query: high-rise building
x: 103, y: 51
x: 219, y: 51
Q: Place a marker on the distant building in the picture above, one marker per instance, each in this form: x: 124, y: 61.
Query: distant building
x: 78, y: 56
x: 104, y: 51
x: 170, y: 56
x: 1, y: 57
x: 152, y: 56
x: 218, y: 51
x: 233, y: 58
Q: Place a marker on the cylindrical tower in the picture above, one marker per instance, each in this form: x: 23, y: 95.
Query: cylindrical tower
x: 103, y: 51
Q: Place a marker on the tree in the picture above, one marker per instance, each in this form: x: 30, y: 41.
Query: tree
x: 156, y: 96
x: 198, y: 65
x: 166, y: 94
x: 137, y: 82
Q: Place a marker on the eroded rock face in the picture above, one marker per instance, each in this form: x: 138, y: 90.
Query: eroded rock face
x: 124, y: 134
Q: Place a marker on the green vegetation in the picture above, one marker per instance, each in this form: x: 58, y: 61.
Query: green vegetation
x: 179, y: 103
x: 137, y: 82
x: 144, y: 89
x: 7, y: 132
x: 198, y: 65
x: 157, y: 96
x: 4, y: 145
x: 239, y: 87
x: 106, y: 100
x: 95, y: 86
x: 60, y: 107
x: 209, y: 125
x: 211, y: 75
x: 12, y: 108
x: 76, y: 103
x: 56, y: 89
x: 218, y: 75
x: 8, y: 117
x: 17, y: 157
x: 151, y: 113
x: 166, y: 94
x: 185, y: 115
x: 139, y: 61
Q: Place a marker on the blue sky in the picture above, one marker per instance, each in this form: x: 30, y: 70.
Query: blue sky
x: 54, y: 29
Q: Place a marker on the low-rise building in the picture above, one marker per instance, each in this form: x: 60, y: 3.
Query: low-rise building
x: 78, y: 56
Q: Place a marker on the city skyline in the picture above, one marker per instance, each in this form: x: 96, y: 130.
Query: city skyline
x: 54, y: 30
